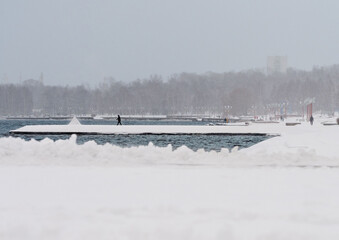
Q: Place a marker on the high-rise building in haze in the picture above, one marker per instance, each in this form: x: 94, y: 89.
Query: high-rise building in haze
x: 276, y: 64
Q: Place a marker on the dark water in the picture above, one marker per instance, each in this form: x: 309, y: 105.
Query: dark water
x: 194, y: 142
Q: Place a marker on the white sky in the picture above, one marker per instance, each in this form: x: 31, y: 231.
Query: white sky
x: 83, y: 41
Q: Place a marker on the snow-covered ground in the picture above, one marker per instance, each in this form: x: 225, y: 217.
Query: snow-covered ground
x: 282, y: 188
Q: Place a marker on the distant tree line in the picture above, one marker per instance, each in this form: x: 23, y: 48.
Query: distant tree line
x: 248, y: 92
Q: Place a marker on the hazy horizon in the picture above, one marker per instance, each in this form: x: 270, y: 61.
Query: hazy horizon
x: 81, y: 41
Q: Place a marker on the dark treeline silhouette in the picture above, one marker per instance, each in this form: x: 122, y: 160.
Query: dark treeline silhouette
x: 248, y: 92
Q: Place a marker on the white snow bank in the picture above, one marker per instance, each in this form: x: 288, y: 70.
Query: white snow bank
x: 316, y: 140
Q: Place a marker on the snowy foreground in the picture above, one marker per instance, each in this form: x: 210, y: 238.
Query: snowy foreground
x: 282, y: 188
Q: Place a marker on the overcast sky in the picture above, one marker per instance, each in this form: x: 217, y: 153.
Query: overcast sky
x: 82, y: 41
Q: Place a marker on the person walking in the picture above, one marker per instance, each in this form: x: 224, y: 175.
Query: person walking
x: 119, y: 120
x: 311, y: 120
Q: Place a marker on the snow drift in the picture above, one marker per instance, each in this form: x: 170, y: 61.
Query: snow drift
x: 274, y: 152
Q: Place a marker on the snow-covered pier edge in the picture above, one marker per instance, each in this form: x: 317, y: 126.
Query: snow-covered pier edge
x: 261, y: 130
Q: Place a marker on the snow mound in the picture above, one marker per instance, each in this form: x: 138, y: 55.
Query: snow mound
x: 68, y: 152
x: 74, y: 121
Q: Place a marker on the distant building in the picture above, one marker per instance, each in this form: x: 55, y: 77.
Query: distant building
x: 276, y: 64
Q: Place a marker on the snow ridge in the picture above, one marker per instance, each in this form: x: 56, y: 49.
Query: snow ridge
x: 68, y: 152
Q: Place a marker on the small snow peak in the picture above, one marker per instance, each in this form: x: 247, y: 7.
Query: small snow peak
x: 74, y: 121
